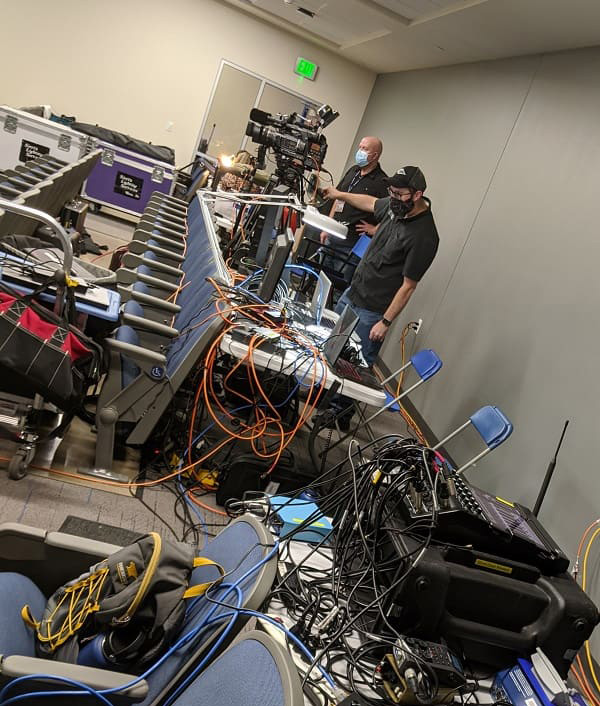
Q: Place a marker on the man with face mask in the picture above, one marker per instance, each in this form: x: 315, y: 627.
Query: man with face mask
x: 366, y: 177
x: 400, y: 253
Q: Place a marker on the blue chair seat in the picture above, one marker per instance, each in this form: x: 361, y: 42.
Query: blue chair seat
x: 253, y: 672
x: 16, y: 591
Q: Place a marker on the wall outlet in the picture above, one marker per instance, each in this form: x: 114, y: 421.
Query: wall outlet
x: 418, y: 326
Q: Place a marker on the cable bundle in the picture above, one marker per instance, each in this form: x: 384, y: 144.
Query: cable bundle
x: 333, y: 607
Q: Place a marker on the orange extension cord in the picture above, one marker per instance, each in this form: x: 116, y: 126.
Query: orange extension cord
x: 590, y: 688
x: 268, y: 422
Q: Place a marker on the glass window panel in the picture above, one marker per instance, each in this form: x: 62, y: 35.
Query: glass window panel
x: 232, y: 102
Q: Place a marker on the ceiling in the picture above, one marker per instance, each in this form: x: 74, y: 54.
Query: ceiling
x: 399, y: 35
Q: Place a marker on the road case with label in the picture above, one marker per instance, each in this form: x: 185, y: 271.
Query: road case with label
x: 24, y: 136
x: 125, y: 180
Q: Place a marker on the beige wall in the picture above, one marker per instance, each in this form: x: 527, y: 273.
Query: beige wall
x: 511, y: 151
x: 135, y: 65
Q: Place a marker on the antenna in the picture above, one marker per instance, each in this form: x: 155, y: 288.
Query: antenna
x: 549, y: 472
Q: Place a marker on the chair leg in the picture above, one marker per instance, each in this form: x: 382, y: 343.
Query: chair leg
x: 106, y: 421
x: 364, y: 420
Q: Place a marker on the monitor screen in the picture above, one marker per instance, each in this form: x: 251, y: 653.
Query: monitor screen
x: 340, y: 334
x: 278, y: 258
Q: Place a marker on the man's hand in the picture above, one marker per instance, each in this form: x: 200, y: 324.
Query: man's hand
x: 330, y: 192
x: 323, y: 238
x: 367, y: 228
x: 378, y: 331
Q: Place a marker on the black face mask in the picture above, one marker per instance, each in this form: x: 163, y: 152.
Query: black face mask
x: 401, y: 208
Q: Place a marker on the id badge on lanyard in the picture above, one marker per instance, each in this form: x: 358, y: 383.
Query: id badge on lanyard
x: 339, y: 204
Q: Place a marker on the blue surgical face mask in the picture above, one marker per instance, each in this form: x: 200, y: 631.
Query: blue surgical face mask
x: 361, y: 158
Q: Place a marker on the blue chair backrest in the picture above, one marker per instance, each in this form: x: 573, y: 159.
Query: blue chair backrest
x: 493, y: 426
x: 361, y: 245
x: 129, y: 369
x: 195, y: 297
x: 426, y: 363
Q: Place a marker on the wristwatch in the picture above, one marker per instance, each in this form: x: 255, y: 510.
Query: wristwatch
x: 386, y: 322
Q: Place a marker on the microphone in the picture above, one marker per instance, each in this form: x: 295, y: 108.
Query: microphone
x: 259, y: 116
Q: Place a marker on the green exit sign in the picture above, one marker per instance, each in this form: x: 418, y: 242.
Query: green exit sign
x: 306, y: 68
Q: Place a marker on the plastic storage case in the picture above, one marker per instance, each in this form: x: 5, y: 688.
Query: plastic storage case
x: 24, y: 136
x: 493, y: 617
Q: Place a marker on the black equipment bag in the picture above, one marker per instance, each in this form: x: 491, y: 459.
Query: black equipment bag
x: 135, y: 599
x: 161, y: 153
x: 41, y: 353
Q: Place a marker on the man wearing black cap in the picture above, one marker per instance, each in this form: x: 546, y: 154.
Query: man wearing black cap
x: 400, y: 253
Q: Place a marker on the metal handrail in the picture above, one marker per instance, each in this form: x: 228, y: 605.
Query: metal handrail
x: 52, y: 223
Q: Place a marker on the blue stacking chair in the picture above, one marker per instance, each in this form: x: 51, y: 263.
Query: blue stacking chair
x: 359, y: 249
x: 493, y: 426
x: 426, y: 364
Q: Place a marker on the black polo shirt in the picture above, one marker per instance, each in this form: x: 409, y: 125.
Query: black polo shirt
x: 352, y: 181
x: 401, y: 247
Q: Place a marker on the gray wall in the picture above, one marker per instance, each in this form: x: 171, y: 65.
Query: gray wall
x: 511, y: 151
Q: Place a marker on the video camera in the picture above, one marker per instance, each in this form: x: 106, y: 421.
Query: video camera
x: 297, y: 141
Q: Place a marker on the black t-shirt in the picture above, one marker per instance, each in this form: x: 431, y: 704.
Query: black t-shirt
x: 352, y: 181
x: 401, y: 247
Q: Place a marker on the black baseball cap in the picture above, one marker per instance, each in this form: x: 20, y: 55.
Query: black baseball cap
x: 409, y: 178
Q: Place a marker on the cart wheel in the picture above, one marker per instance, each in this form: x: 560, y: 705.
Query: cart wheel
x: 17, y: 467
x: 94, y: 207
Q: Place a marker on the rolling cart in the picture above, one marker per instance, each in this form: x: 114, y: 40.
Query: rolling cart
x: 49, y: 363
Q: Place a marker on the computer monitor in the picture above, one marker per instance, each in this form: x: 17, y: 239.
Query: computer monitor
x: 339, y: 336
x: 278, y: 257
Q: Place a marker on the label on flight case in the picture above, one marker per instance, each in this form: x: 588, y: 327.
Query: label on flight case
x: 502, y: 568
x: 31, y: 150
x: 128, y: 185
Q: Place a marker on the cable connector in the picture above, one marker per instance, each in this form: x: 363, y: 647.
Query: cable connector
x: 342, y: 698
x: 575, y: 570
x: 412, y: 680
x: 320, y: 627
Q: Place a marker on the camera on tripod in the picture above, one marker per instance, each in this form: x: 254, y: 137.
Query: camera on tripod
x: 297, y: 141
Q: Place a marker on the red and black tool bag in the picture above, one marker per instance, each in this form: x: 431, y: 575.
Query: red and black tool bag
x: 41, y: 353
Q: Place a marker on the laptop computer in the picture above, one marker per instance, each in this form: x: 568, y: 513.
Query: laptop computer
x: 314, y: 312
x: 334, y: 345
x: 340, y: 334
